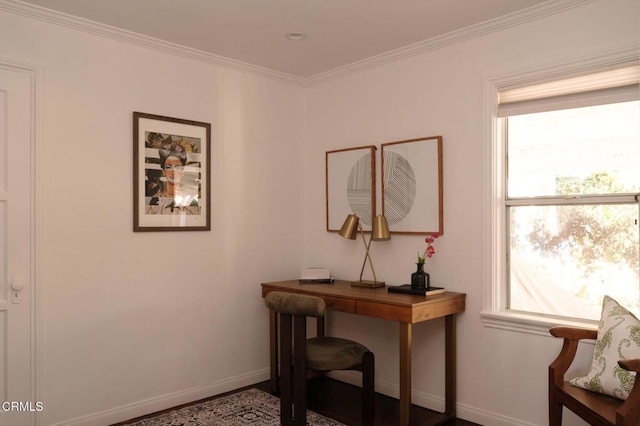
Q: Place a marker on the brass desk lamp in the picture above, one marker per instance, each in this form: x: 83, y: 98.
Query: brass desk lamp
x: 379, y: 232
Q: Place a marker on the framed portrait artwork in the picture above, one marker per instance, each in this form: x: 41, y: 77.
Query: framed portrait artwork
x: 171, y: 174
x: 351, y: 186
x: 412, y: 185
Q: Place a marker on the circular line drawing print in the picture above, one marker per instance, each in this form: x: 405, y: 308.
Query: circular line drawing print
x: 359, y: 189
x: 399, y: 187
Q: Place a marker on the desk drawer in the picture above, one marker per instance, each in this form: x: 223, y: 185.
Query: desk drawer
x: 339, y: 304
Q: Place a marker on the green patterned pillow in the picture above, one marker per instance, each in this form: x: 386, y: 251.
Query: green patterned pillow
x: 618, y: 338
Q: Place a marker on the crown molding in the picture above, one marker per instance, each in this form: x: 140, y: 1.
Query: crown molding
x: 58, y: 18
x: 530, y: 14
x: 514, y: 19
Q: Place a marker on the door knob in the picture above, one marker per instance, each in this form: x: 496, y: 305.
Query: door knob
x: 16, y: 284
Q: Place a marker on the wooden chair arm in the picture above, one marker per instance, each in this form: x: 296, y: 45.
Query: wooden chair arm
x: 630, y: 410
x: 571, y: 336
x: 574, y: 333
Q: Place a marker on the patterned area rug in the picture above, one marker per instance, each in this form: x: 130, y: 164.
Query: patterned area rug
x: 251, y: 407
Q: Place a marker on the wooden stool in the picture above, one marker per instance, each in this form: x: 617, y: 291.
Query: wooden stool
x: 300, y: 356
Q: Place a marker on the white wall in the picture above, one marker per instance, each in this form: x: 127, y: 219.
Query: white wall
x: 136, y: 322
x: 502, y: 375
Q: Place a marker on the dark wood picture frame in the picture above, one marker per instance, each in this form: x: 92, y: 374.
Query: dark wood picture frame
x: 171, y: 174
x: 350, y: 186
x: 412, y: 191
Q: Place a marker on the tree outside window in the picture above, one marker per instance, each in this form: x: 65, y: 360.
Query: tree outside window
x: 572, y: 182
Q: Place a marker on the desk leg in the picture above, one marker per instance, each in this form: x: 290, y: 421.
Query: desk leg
x: 450, y: 364
x: 405, y: 373
x: 273, y: 350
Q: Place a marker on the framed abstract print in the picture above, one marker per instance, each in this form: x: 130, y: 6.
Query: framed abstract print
x: 351, y: 186
x: 412, y: 185
x: 171, y: 174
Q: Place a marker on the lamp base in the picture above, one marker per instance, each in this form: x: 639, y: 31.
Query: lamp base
x: 368, y: 284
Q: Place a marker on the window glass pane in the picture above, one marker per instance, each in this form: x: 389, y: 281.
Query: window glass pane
x: 564, y: 259
x: 593, y: 150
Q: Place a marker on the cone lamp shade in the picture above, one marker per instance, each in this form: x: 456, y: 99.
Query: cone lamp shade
x: 380, y: 230
x: 349, y: 228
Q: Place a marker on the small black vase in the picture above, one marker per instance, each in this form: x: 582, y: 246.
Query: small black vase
x: 420, y: 279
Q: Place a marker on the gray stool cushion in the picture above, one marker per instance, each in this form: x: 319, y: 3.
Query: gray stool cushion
x: 333, y: 353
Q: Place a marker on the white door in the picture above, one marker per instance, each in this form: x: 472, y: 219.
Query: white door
x: 17, y: 404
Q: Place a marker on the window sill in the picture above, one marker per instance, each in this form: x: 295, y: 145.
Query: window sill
x: 529, y: 323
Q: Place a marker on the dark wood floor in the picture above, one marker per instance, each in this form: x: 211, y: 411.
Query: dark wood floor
x: 336, y: 400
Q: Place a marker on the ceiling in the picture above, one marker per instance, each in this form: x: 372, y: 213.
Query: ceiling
x: 339, y: 32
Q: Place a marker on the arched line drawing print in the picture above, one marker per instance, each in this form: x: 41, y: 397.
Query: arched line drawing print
x: 358, y: 189
x: 412, y: 185
x: 400, y: 187
x: 350, y: 186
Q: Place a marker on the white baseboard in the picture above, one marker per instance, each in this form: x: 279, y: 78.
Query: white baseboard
x: 433, y: 402
x: 483, y: 417
x: 162, y: 402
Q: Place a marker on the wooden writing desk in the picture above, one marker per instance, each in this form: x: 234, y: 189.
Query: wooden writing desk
x: 378, y: 303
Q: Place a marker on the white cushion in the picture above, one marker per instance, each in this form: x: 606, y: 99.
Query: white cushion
x: 618, y: 338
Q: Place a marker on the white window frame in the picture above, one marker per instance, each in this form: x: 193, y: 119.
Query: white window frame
x: 495, y: 292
